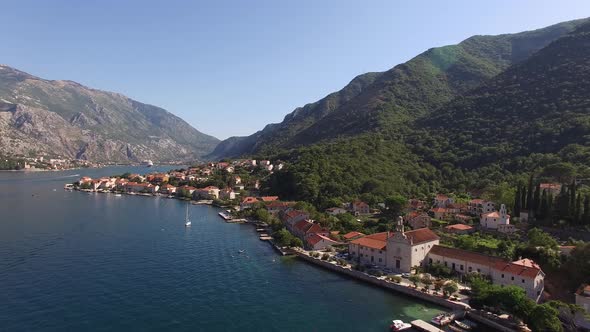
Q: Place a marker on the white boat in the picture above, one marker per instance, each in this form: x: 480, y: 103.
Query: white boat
x: 187, y: 222
x: 117, y: 195
x: 398, y: 325
x: 148, y: 163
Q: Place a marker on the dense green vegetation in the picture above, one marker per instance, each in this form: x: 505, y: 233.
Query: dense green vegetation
x: 531, y: 118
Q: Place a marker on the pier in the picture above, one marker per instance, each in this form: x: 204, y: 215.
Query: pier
x: 423, y: 326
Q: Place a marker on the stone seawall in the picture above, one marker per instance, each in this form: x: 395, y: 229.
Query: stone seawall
x: 385, y: 284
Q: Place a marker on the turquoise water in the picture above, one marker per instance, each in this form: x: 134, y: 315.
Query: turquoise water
x: 73, y: 261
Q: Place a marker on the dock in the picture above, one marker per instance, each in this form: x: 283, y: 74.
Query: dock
x: 423, y: 326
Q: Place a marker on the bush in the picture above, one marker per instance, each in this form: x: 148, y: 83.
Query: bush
x: 375, y: 272
x: 324, y: 256
x: 396, y: 279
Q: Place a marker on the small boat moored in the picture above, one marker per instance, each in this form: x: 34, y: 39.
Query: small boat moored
x: 441, y: 319
x: 398, y: 325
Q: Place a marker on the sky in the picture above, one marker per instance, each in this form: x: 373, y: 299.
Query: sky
x: 230, y: 67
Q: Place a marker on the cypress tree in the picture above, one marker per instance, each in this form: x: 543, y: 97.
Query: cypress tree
x: 586, y: 215
x: 543, y: 206
x: 536, y: 206
x: 572, y: 204
x: 563, y: 201
x: 517, y: 200
x: 529, y: 197
x: 523, y: 199
x: 578, y: 210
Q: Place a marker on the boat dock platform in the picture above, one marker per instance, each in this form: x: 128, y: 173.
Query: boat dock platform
x: 423, y: 326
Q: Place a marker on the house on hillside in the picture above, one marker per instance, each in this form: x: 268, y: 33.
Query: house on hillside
x: 360, y: 208
x: 417, y: 220
x: 248, y: 202
x: 210, y: 192
x: 552, y: 188
x: 459, y: 229
x: 227, y: 194
x: 168, y: 189
x: 478, y: 206
x: 442, y: 201
x: 334, y: 211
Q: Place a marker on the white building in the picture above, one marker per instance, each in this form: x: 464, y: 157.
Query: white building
x: 523, y: 273
x: 493, y: 220
x: 399, y: 251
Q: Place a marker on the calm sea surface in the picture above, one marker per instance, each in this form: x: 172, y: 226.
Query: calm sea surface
x: 73, y: 261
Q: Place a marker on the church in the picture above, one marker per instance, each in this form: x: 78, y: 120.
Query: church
x: 397, y: 251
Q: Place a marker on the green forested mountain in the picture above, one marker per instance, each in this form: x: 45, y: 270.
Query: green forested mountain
x: 533, y: 116
x: 387, y: 101
x: 39, y: 116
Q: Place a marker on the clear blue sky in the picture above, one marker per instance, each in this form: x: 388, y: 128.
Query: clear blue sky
x: 230, y: 67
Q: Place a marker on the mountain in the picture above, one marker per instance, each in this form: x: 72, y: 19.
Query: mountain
x: 537, y: 107
x: 68, y: 119
x: 533, y: 117
x: 388, y: 100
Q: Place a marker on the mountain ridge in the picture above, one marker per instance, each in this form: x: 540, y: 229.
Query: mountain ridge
x: 98, y: 125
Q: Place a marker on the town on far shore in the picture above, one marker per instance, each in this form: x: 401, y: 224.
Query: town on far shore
x: 498, y: 258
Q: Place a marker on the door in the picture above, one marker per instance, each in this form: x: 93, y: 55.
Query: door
x: 397, y: 264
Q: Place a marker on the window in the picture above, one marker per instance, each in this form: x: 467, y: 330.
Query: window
x: 470, y: 269
x: 512, y: 278
x: 502, y: 275
x: 372, y: 250
x: 380, y: 251
x: 379, y: 260
x: 416, y: 250
x: 523, y: 281
x: 445, y: 264
x: 478, y: 271
x: 430, y: 261
x: 461, y: 267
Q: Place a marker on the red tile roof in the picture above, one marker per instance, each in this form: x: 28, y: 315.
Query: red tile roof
x: 315, y: 238
x: 351, y: 235
x: 517, y: 269
x: 269, y: 198
x: 459, y: 227
x: 303, y: 225
x: 439, y: 209
x: 249, y: 200
x: 466, y: 255
x: 375, y: 241
x: 494, y: 214
x: 421, y: 235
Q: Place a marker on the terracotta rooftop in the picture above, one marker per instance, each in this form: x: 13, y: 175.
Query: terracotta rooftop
x: 315, y: 238
x: 375, y: 241
x: 421, y: 235
x: 459, y: 227
x: 351, y: 235
x: 517, y: 269
x: 269, y: 198
x: 466, y: 255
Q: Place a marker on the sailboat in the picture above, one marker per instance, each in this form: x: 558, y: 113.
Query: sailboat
x: 187, y: 222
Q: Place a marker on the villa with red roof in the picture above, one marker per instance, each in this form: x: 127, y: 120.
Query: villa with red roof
x: 418, y: 220
x: 442, y: 201
x: 360, y: 208
x: 320, y: 242
x: 478, y: 206
x: 522, y: 273
x: 459, y: 229
x: 399, y: 251
x: 248, y: 202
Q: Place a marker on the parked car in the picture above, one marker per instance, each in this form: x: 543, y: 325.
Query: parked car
x: 406, y: 275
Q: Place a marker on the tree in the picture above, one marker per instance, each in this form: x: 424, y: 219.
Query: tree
x: 529, y: 195
x: 414, y: 279
x: 450, y: 288
x: 538, y: 238
x: 426, y: 281
x: 395, y: 204
x: 517, y: 201
x: 586, y: 214
x: 438, y: 284
x: 544, y: 317
x: 296, y: 242
x: 536, y: 207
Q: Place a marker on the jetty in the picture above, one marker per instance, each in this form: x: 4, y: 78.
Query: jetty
x: 423, y: 326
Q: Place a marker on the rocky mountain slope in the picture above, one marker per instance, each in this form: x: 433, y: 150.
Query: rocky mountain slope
x: 387, y: 101
x: 64, y: 118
